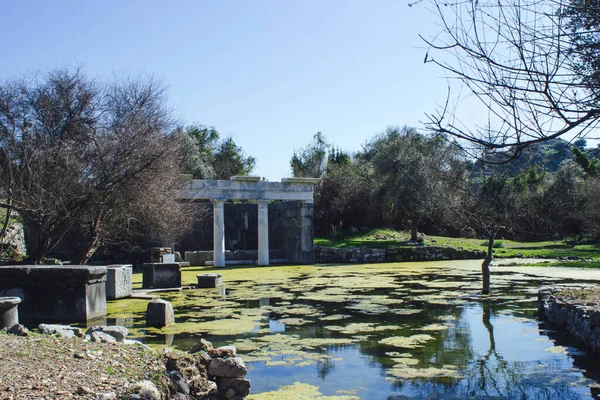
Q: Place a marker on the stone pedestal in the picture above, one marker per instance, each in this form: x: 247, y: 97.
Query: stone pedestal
x: 9, y: 314
x: 69, y: 293
x: 209, y: 280
x: 118, y: 281
x: 159, y: 313
x: 161, y: 276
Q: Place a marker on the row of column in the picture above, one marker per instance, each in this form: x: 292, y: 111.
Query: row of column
x: 219, y: 232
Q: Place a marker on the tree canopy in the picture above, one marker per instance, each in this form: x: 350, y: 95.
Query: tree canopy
x: 97, y: 158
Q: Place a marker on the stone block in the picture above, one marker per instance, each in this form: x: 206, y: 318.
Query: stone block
x: 159, y: 313
x: 119, y: 333
x: 118, y: 281
x: 209, y: 280
x: 227, y: 368
x: 9, y: 313
x: 241, y: 387
x: 67, y: 293
x: 161, y: 275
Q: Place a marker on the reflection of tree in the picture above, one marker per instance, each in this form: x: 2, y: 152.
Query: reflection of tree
x: 484, y: 362
x: 489, y: 375
x: 324, y: 365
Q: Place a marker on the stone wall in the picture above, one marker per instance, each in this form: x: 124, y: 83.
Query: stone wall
x: 205, y: 256
x: 374, y: 255
x: 291, y: 230
x: 581, y: 321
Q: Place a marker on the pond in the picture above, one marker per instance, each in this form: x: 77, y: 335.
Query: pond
x: 381, y: 331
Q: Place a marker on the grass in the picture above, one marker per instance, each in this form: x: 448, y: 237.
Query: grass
x: 388, y: 238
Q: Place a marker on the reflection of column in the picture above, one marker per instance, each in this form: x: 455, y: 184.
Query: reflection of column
x: 263, y: 233
x: 219, y: 233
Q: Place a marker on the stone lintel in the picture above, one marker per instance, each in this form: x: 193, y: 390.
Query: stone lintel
x: 243, y: 178
x: 244, y: 190
x: 310, y: 181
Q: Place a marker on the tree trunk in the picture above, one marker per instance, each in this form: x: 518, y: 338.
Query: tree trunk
x: 485, y: 266
x: 94, y: 241
x: 35, y: 255
x: 90, y: 249
x: 414, y: 233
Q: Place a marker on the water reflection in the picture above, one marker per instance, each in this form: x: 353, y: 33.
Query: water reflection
x: 383, y: 331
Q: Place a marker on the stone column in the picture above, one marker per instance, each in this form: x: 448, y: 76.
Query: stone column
x: 263, y: 233
x: 219, y: 233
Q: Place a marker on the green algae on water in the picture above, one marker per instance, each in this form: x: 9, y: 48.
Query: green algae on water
x: 298, y: 391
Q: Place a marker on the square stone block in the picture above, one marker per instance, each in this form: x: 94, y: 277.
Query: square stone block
x: 118, y: 281
x: 68, y: 293
x: 209, y: 280
x: 161, y: 276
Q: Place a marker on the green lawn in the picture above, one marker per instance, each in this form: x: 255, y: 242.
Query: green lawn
x: 387, y: 238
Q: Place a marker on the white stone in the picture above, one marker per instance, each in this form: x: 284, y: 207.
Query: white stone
x: 219, y: 233
x: 263, y: 233
x: 118, y: 281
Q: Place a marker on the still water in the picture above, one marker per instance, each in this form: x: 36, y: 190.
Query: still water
x: 382, y: 331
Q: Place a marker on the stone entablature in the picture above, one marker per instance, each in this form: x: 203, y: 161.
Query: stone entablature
x: 252, y: 188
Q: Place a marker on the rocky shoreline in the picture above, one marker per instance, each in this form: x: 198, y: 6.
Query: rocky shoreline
x: 63, y: 362
x: 581, y: 318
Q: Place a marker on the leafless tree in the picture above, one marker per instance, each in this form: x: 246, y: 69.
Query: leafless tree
x: 484, y: 203
x: 78, y: 155
x: 525, y: 63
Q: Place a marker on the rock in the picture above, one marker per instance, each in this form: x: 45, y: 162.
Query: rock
x: 146, y: 390
x: 83, y: 390
x: 159, y: 313
x: 101, y: 337
x: 180, y: 396
x: 179, y: 383
x: 203, y: 358
x: 18, y: 330
x: 119, y: 333
x: 209, y: 280
x: 241, y: 386
x: 222, y: 352
x: 201, y: 345
x: 106, y: 396
x: 227, y: 368
x: 230, y: 393
x: 62, y: 330
x: 189, y: 366
x: 202, y: 387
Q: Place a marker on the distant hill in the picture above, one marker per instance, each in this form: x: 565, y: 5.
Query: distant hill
x: 546, y: 156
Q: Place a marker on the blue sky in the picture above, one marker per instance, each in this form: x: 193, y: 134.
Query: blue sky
x: 268, y: 73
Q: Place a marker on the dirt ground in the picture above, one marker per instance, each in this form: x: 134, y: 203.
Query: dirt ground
x: 49, y: 367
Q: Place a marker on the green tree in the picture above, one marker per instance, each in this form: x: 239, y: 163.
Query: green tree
x: 207, y: 156
x: 411, y: 170
x: 311, y: 162
x: 589, y: 165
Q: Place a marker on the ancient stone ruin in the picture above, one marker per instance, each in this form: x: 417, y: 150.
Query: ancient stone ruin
x: 284, y: 215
